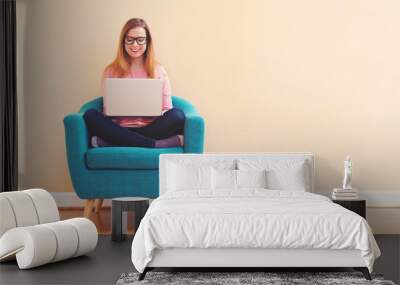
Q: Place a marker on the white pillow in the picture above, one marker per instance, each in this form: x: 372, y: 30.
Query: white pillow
x: 283, y: 174
x: 237, y: 179
x: 189, y: 175
x: 251, y: 178
x: 186, y: 177
x: 292, y: 179
x: 223, y: 179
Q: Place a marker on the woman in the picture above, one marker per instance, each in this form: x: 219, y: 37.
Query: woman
x: 135, y: 59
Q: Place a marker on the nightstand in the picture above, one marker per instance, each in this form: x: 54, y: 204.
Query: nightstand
x: 357, y: 206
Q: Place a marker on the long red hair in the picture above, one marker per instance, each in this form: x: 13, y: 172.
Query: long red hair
x: 121, y: 65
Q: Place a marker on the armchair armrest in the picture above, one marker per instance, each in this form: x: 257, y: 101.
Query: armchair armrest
x: 194, y: 134
x: 76, y: 141
x: 184, y: 105
x: 194, y: 126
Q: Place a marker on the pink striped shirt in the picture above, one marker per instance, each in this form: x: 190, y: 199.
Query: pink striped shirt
x: 166, y: 96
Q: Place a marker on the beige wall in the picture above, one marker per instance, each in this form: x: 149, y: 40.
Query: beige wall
x: 319, y: 76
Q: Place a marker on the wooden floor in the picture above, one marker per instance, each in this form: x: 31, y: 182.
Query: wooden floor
x: 102, y: 219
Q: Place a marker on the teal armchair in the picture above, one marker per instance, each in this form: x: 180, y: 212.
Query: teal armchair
x: 109, y: 172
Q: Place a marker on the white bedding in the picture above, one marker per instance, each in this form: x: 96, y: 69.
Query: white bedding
x: 250, y: 218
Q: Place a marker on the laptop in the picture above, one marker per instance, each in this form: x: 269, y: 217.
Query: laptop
x: 133, y: 97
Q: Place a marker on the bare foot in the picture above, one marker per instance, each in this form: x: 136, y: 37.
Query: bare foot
x: 181, y: 139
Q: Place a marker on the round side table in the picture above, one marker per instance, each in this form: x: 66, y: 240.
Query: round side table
x: 119, y: 216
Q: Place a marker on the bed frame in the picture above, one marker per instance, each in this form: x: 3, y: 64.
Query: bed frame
x: 242, y: 259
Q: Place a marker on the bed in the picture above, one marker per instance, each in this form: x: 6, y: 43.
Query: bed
x: 248, y: 210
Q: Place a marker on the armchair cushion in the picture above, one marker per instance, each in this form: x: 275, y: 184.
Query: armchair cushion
x: 126, y: 157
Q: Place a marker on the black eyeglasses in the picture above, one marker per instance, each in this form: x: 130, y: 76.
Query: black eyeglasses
x: 131, y: 40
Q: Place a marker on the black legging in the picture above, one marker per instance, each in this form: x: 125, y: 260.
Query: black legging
x: 169, y: 124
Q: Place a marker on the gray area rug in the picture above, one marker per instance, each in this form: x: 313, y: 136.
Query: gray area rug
x: 269, y: 278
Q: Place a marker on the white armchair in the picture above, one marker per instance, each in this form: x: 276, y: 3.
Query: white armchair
x: 31, y: 230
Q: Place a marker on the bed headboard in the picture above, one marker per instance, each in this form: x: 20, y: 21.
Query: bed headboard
x: 165, y: 159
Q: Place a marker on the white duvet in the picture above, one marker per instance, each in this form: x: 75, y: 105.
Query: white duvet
x: 250, y: 219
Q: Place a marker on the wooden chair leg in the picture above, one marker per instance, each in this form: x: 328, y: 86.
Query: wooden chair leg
x: 88, y: 208
x: 97, y: 205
